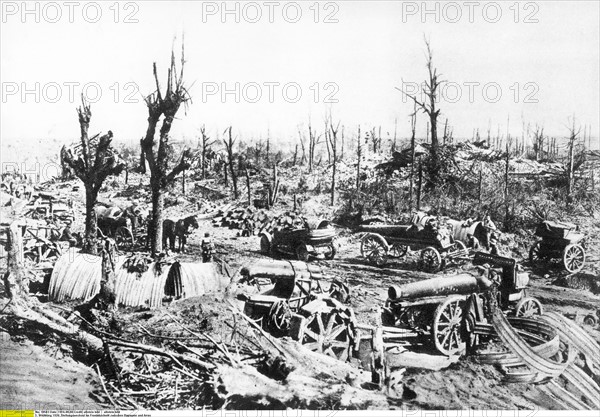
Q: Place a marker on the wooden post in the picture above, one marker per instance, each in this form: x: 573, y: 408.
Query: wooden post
x: 358, y: 156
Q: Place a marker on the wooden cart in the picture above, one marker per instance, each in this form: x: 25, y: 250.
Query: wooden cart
x: 559, y: 241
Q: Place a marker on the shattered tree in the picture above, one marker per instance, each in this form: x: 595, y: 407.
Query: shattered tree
x: 429, y: 108
x: 229, y: 142
x: 93, y: 160
x: 157, y: 154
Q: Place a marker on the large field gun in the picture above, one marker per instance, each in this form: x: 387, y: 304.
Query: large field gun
x: 434, y: 239
x: 559, y: 241
x: 449, y: 309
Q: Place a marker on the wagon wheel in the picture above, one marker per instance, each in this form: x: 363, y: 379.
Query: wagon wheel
x: 329, y: 332
x: 398, y: 250
x: 124, y: 238
x: 573, y: 258
x: 431, y: 260
x: 460, y: 246
x: 447, y: 326
x: 265, y: 245
x: 330, y: 254
x: 374, y: 250
x: 279, y: 318
x: 590, y: 320
x: 302, y: 252
x: 535, y: 253
x: 529, y: 307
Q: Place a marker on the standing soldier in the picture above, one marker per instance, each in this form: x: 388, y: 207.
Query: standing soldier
x: 207, y: 248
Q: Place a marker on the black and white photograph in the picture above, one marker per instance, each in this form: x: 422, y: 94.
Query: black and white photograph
x: 309, y: 208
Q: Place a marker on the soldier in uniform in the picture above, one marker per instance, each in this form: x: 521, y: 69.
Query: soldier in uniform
x: 207, y: 248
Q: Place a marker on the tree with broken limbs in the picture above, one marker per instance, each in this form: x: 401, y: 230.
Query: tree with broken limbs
x: 157, y: 153
x: 92, y: 160
x: 431, y: 92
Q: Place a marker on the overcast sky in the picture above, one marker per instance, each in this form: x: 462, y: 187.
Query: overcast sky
x: 533, y: 62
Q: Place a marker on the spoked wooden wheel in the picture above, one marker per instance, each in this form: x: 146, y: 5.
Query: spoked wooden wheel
x: 374, y: 250
x: 535, y: 254
x: 529, y: 307
x: 339, y: 291
x: 431, y: 261
x: 329, y: 332
x: 447, y: 326
x: 124, y: 238
x: 398, y: 250
x: 573, y: 258
x: 302, y: 253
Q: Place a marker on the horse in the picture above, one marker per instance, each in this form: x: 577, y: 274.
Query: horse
x: 179, y: 229
x: 110, y: 218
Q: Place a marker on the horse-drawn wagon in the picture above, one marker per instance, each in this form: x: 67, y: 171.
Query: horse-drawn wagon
x: 298, y: 306
x: 450, y: 310
x: 559, y: 241
x: 126, y: 226
x: 434, y: 239
x: 303, y: 241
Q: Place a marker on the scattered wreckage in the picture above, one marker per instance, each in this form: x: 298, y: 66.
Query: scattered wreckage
x: 434, y: 239
x: 559, y: 241
x: 298, y: 306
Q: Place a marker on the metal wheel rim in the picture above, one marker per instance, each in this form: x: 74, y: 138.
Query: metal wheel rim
x: 398, y: 250
x: 574, y: 258
x: 329, y: 334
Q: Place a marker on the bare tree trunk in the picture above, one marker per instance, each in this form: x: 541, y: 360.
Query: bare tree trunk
x: 248, y: 187
x: 413, y: 126
x: 156, y: 223
x: 183, y: 182
x: 480, y: 182
x: 229, y: 145
x: 16, y: 284
x: 419, y: 185
x: 91, y: 232
x: 358, y: 157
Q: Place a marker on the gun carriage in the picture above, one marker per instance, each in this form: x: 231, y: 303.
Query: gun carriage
x: 433, y: 239
x: 451, y: 311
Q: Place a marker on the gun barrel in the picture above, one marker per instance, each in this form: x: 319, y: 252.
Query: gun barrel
x: 457, y: 284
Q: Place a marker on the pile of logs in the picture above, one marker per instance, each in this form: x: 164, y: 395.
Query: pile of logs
x: 253, y: 221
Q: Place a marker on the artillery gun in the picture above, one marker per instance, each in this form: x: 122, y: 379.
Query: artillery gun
x: 434, y: 239
x: 452, y: 310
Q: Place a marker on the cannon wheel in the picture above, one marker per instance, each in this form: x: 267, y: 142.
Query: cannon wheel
x: 328, y: 332
x: 529, y: 307
x: 124, y: 238
x: 431, y: 260
x: 447, y: 326
x: 302, y: 252
x: 573, y: 258
x: 265, y: 245
x: 374, y: 249
x: 398, y: 250
x: 330, y: 254
x: 535, y: 254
